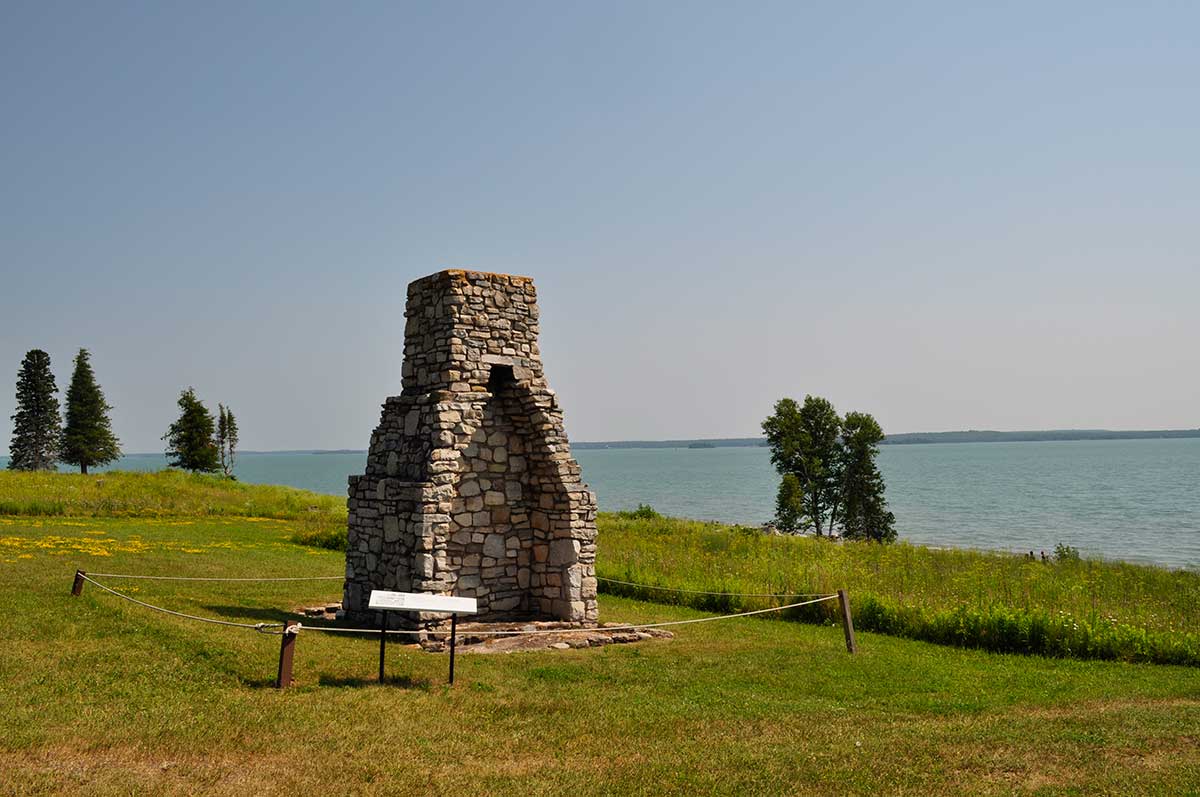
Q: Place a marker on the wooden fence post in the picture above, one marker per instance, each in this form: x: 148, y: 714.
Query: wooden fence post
x: 77, y: 587
x: 287, y: 647
x: 847, y: 622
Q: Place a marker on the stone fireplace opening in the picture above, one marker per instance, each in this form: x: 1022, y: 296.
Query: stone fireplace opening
x: 500, y: 376
x: 470, y: 488
x: 494, y: 546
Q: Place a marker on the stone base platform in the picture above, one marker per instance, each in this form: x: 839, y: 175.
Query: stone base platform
x: 567, y: 636
x: 436, y: 639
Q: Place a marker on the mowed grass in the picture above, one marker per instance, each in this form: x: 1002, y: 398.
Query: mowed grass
x: 101, y: 696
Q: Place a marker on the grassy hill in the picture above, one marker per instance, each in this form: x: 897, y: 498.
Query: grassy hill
x: 168, y: 493
x: 103, y: 696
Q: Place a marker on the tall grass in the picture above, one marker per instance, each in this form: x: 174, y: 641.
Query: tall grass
x: 993, y: 601
x: 162, y: 494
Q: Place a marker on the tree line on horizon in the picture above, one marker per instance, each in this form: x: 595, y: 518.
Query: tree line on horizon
x: 41, y: 439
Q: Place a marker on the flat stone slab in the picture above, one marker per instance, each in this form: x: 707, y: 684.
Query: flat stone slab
x: 321, y: 611
x: 565, y: 636
x: 541, y: 635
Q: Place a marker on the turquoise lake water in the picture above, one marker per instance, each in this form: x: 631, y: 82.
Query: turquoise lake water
x: 1122, y: 499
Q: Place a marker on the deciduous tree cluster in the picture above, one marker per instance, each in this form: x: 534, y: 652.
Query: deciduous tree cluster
x: 829, y: 480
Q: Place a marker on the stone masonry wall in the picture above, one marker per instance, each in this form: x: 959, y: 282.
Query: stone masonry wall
x: 470, y: 488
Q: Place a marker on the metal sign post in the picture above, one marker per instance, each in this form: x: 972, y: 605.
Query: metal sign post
x: 382, y: 641
x: 453, y: 637
x: 385, y: 602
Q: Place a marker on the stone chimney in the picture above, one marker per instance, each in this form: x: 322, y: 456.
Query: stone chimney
x: 470, y: 488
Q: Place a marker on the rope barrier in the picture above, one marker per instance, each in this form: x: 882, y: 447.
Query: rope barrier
x: 289, y: 632
x: 220, y: 578
x: 260, y: 627
x: 705, y: 592
x: 342, y: 578
x: 541, y: 631
x: 295, y: 629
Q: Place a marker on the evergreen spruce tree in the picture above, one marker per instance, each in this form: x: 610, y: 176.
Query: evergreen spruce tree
x: 190, y: 439
x: 35, y: 436
x: 87, y: 437
x: 231, y: 438
x: 227, y: 438
x: 222, y: 434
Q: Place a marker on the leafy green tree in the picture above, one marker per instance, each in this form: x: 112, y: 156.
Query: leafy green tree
x: 804, y: 443
x: 227, y: 439
x: 865, y: 515
x: 190, y: 443
x: 789, y: 504
x: 829, y: 479
x: 87, y: 438
x: 35, y: 436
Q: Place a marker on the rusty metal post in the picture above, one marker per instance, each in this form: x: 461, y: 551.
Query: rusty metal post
x: 287, y: 648
x: 847, y: 621
x: 77, y: 587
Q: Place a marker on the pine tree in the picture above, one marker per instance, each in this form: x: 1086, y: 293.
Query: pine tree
x: 222, y: 435
x: 190, y: 443
x: 227, y: 439
x: 231, y: 439
x: 36, y: 425
x: 87, y: 437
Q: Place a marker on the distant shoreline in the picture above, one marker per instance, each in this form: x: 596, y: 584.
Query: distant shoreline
x: 920, y: 438
x: 906, y: 438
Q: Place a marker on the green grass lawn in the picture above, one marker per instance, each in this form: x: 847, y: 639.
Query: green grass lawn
x: 98, y: 695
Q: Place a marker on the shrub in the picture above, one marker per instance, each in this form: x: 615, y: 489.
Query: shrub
x: 643, y: 512
x: 1065, y: 553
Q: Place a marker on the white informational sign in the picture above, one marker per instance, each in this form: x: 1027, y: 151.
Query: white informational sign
x: 421, y: 602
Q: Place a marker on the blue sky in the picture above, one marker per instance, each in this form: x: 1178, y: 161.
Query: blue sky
x: 950, y: 217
